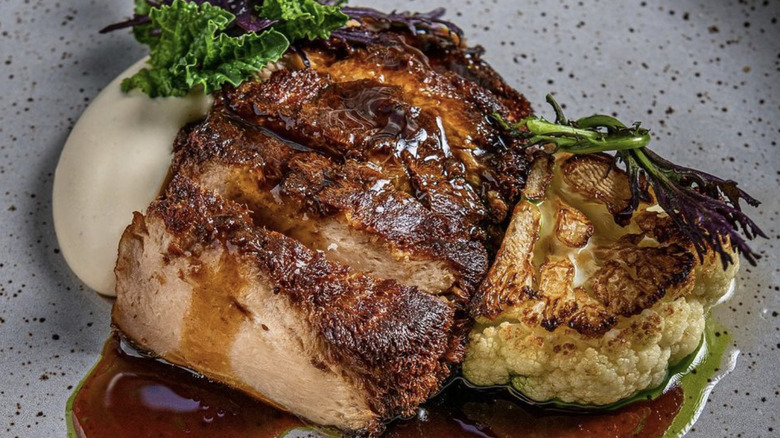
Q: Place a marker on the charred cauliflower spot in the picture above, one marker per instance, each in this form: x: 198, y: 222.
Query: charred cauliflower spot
x: 581, y: 309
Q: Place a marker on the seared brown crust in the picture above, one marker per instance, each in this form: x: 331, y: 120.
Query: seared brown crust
x: 397, y: 343
x: 495, y: 166
x: 367, y: 121
x: 315, y: 185
x: 468, y: 65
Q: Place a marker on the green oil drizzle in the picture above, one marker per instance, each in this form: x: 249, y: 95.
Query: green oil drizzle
x: 69, y: 410
x: 69, y: 405
x: 711, y: 365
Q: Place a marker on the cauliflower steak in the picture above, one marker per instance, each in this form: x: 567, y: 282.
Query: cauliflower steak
x: 579, y: 309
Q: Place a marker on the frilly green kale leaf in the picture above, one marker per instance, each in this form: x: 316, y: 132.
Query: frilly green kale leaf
x: 144, y: 31
x: 188, y: 49
x: 301, y: 19
x: 199, y: 43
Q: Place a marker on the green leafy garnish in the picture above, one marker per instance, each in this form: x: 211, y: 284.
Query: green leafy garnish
x: 190, y: 50
x: 301, y: 19
x: 704, y: 207
x: 195, y: 43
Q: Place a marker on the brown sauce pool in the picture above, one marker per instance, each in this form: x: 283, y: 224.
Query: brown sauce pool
x: 130, y: 396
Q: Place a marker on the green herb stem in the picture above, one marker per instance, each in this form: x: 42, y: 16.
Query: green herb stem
x: 585, y: 136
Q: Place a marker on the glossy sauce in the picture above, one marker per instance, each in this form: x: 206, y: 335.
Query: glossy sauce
x: 127, y: 395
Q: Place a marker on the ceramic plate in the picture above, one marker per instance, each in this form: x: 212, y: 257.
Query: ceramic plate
x: 703, y: 75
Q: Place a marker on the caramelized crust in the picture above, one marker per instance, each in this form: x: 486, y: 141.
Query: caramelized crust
x: 393, y: 344
x: 460, y: 102
x: 572, y: 227
x: 511, y: 277
x: 367, y: 121
x: 596, y: 178
x: 301, y: 193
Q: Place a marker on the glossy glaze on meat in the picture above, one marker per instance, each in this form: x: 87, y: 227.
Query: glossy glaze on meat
x: 355, y: 204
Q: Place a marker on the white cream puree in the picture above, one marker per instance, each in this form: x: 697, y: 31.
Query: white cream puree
x: 114, y: 163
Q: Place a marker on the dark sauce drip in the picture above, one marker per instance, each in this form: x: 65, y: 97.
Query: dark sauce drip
x: 127, y: 395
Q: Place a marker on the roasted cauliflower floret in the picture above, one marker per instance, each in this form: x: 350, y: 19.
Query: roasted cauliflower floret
x: 580, y: 309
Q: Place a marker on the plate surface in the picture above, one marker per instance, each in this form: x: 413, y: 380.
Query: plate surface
x: 702, y: 75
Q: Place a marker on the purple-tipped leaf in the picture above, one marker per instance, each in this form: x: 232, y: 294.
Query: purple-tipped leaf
x: 244, y: 10
x: 413, y: 21
x: 704, y: 207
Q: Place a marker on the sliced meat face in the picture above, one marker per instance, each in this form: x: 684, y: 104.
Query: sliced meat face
x: 351, y: 210
x: 202, y: 287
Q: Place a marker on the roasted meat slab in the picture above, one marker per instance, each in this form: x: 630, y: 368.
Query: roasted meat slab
x: 203, y: 287
x: 325, y: 229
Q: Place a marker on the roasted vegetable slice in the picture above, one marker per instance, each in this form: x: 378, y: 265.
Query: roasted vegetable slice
x: 580, y: 309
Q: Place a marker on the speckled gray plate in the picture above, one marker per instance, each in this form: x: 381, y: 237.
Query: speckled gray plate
x: 703, y: 75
